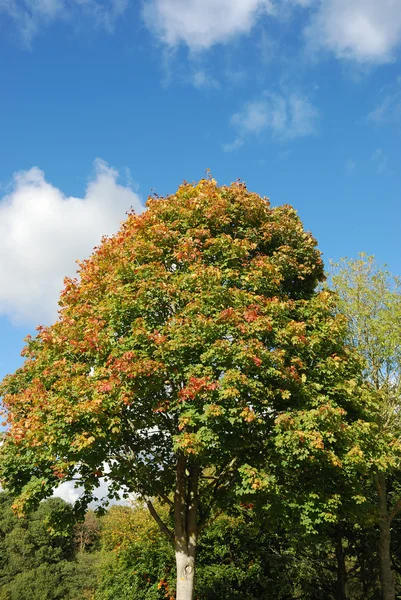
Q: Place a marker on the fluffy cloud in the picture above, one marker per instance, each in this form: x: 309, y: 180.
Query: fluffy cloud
x: 285, y: 117
x: 31, y: 16
x: 202, y: 23
x: 43, y: 233
x: 365, y: 31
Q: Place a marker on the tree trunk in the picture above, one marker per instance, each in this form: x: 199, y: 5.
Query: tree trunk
x: 341, y: 593
x: 185, y: 560
x: 386, y: 573
x: 184, y: 537
x: 387, y: 581
x: 186, y: 502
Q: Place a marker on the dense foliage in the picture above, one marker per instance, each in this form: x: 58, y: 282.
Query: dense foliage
x: 38, y: 561
x: 370, y: 297
x: 197, y: 363
x: 193, y: 360
x: 243, y: 555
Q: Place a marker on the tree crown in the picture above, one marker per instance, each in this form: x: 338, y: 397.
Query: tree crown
x: 195, y: 331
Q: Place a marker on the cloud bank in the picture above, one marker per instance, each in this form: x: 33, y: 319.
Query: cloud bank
x: 363, y: 31
x: 43, y: 233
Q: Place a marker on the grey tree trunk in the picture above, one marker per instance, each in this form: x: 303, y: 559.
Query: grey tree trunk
x: 185, y: 561
x: 185, y: 534
x: 387, y: 581
x: 186, y: 502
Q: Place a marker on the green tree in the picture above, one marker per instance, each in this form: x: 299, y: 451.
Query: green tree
x: 136, y: 557
x: 241, y: 555
x: 370, y: 298
x: 37, y: 557
x: 190, y: 355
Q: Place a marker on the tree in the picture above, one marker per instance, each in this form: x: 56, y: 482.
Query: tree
x: 87, y: 532
x: 38, y: 558
x: 136, y: 557
x: 190, y: 355
x: 370, y: 298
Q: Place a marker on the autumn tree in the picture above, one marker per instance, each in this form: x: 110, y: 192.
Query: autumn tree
x: 191, y: 353
x: 370, y: 297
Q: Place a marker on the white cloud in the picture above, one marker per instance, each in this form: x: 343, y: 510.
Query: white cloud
x: 30, y: 17
x: 201, y: 24
x: 285, y: 117
x: 68, y: 492
x: 43, y: 233
x: 365, y: 31
x: 256, y: 116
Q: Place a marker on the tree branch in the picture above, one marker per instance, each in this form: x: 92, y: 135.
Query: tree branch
x: 205, y: 522
x: 396, y: 510
x: 166, y: 499
x: 163, y: 527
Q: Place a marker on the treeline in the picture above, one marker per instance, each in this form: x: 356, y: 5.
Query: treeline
x: 242, y: 555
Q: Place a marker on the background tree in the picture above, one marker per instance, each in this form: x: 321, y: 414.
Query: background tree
x: 37, y: 558
x: 136, y: 557
x: 370, y: 298
x: 87, y: 532
x: 191, y: 356
x: 246, y: 555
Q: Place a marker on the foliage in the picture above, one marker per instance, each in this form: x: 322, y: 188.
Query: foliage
x: 239, y: 556
x: 37, y: 562
x: 371, y: 299
x: 195, y: 330
x: 137, y: 558
x: 193, y: 362
x: 87, y: 532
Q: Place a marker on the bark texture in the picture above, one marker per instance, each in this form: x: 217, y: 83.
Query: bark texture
x: 387, y: 581
x: 185, y: 574
x: 186, y: 502
x: 341, y: 588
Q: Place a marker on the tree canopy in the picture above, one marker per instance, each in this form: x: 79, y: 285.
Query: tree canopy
x: 192, y: 359
x: 370, y: 298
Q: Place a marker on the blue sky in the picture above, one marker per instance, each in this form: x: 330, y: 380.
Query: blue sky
x: 103, y: 101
